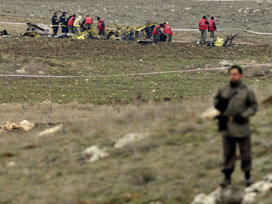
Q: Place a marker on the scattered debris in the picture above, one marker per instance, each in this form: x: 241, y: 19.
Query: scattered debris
x: 38, y: 30
x: 51, y: 131
x: 210, y: 113
x: 95, y: 153
x: 130, y: 139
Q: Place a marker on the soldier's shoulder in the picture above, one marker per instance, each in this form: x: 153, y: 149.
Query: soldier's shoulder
x: 248, y: 89
x: 226, y: 86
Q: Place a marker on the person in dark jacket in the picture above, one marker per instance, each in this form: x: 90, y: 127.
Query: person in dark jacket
x: 63, y: 21
x: 236, y: 103
x: 55, y: 23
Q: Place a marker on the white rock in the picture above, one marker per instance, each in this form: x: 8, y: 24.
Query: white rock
x: 26, y: 126
x: 204, y: 199
x: 95, y: 153
x: 209, y: 113
x: 250, y: 198
x: 259, y: 187
x: 130, y: 139
x: 11, y: 164
x: 225, y: 63
x: 51, y: 131
x: 268, y: 178
x: 20, y: 71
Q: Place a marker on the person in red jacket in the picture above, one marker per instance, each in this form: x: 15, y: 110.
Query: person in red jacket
x: 167, y: 31
x: 157, y: 32
x: 70, y: 24
x: 101, y: 27
x: 203, y: 26
x: 212, y: 28
x: 87, y: 22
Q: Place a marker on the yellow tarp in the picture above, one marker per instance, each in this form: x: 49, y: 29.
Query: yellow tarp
x: 219, y: 42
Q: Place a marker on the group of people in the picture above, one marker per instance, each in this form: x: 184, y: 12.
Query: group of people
x: 205, y: 25
x: 75, y: 25
x: 158, y: 34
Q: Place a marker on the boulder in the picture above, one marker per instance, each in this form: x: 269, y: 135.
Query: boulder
x: 26, y: 126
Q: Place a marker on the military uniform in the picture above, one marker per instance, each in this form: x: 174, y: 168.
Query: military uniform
x: 241, y: 105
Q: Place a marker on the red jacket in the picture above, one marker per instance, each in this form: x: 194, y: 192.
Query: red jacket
x: 211, y: 25
x: 203, y: 24
x: 71, y: 21
x: 154, y: 32
x: 167, y: 30
x: 88, y: 20
x: 101, y: 25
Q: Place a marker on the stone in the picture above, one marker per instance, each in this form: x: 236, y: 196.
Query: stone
x: 20, y: 71
x: 51, y: 131
x: 210, y: 113
x: 95, y: 153
x: 26, y: 126
x: 250, y: 198
x: 130, y: 139
x: 225, y: 63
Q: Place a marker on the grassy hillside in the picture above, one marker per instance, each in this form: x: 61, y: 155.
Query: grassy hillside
x: 182, y: 154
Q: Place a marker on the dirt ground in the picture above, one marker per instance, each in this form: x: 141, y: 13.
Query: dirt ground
x: 243, y: 14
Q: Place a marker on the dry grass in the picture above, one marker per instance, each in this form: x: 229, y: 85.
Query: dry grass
x: 181, y: 158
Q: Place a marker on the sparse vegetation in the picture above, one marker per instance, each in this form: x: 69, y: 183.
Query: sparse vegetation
x: 180, y: 158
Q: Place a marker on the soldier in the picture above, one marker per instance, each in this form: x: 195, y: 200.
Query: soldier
x: 55, y: 23
x: 236, y: 103
x: 203, y: 26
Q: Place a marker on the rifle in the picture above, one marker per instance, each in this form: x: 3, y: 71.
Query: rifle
x: 222, y: 105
